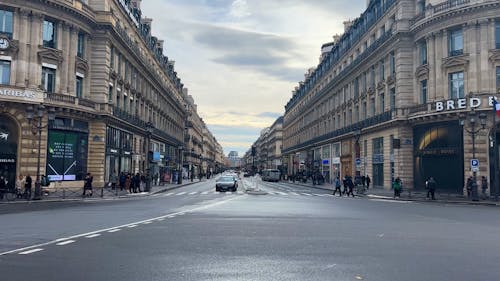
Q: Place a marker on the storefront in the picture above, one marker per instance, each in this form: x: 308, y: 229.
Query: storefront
x: 9, y: 137
x: 118, y: 151
x: 439, y: 153
x: 67, y: 149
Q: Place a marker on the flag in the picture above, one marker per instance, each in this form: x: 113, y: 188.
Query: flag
x: 496, y: 107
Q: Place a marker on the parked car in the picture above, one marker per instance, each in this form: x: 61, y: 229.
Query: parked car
x: 226, y: 183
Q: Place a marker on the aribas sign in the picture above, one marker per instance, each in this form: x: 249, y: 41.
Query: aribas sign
x: 462, y: 103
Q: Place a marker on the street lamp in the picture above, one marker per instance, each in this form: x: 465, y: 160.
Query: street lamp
x: 472, y: 117
x: 181, y: 154
x: 149, y: 131
x: 36, y: 127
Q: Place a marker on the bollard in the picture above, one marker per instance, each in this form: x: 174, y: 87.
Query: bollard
x: 102, y: 192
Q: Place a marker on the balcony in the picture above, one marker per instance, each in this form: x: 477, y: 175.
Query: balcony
x: 69, y: 100
x: 450, y: 4
x: 125, y: 116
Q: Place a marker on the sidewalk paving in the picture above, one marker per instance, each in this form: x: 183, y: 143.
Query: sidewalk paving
x: 100, y: 193
x: 409, y: 195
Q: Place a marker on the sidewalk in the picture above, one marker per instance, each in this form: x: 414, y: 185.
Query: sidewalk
x: 409, y: 195
x: 99, y: 193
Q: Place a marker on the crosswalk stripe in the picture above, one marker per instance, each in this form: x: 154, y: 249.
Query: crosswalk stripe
x: 181, y: 193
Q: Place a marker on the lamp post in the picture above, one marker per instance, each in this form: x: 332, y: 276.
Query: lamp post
x: 181, y: 154
x: 472, y: 117
x: 149, y: 132
x: 37, y: 127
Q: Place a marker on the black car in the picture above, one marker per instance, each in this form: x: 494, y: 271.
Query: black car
x: 226, y: 183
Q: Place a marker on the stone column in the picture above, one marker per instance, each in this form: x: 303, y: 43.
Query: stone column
x: 22, y: 17
x: 441, y: 43
x: 71, y: 62
x: 64, y: 45
x: 472, y: 38
x: 35, y: 39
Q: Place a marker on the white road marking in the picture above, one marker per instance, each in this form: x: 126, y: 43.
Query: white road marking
x: 114, y: 230
x: 168, y: 194
x: 380, y: 235
x: 157, y: 194
x: 241, y: 192
x: 193, y: 193
x: 93, y: 235
x: 31, y: 251
x: 181, y: 193
x: 293, y: 193
x: 307, y: 194
x: 147, y: 222
x: 391, y: 201
x: 35, y: 248
x: 132, y: 226
x: 204, y: 192
x: 65, y: 242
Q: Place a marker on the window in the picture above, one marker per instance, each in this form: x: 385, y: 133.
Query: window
x: 4, y: 72
x: 81, y: 45
x: 372, y: 106
x: 456, y: 85
x: 110, y: 93
x: 79, y: 87
x: 392, y: 62
x: 372, y: 75
x: 423, y: 91
x: 498, y: 79
x: 48, y: 79
x: 456, y: 42
x: 49, y: 34
x: 381, y: 102
x: 112, y: 57
x: 392, y: 98
x: 6, y: 23
x: 382, y: 70
x: 497, y: 35
x: 423, y: 53
x: 421, y: 6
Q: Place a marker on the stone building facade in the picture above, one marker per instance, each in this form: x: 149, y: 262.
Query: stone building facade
x: 115, y: 101
x: 394, y: 96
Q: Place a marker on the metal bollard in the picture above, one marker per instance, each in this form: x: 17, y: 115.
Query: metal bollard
x: 102, y: 192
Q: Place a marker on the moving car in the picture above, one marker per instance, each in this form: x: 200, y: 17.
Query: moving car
x: 226, y: 183
x: 271, y: 175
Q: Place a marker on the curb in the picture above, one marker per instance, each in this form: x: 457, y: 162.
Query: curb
x: 473, y: 203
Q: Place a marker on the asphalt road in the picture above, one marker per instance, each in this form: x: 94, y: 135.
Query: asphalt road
x: 292, y: 233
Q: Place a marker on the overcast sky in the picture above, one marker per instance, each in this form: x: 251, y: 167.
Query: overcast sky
x: 241, y: 59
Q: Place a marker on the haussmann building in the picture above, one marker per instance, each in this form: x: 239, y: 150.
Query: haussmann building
x: 406, y: 91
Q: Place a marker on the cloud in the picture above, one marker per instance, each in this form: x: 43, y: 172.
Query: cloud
x: 269, y: 115
x: 239, y: 9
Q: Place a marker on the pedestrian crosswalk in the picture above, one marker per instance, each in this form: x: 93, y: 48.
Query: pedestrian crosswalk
x: 241, y: 192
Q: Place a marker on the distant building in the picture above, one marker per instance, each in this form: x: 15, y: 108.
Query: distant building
x: 234, y: 160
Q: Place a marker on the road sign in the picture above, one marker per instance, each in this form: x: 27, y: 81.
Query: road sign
x: 474, y: 165
x: 358, y: 161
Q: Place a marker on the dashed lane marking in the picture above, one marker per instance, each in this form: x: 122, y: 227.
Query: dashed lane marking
x: 65, y: 242
x: 147, y: 222
x: 306, y: 194
x: 181, y: 193
x: 31, y: 251
x: 36, y: 248
x: 193, y: 193
x: 132, y: 226
x: 114, y: 230
x: 204, y: 192
x: 93, y: 235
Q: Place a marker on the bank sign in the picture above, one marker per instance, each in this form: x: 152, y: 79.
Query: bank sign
x: 462, y: 103
x: 20, y: 94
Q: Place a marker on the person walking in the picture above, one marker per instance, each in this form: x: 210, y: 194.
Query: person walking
x: 87, y: 186
x: 368, y: 181
x: 113, y: 179
x: 468, y: 186
x: 337, y: 186
x: 363, y: 180
x: 350, y: 186
x: 432, y: 185
x: 27, y: 187
x: 128, y: 183
x: 484, y: 187
x: 19, y: 186
x: 344, y: 183
x: 137, y: 183
x: 396, y: 185
x: 123, y: 179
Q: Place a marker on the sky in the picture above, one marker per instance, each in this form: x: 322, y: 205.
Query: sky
x: 241, y: 59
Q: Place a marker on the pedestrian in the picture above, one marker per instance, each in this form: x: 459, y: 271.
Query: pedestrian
x: 468, y: 186
x: 484, y: 187
x: 27, y: 187
x: 432, y: 185
x: 345, y: 184
x: 113, y: 179
x: 396, y: 185
x: 122, y: 180
x: 427, y: 188
x: 3, y: 187
x: 87, y: 186
x: 350, y: 185
x: 20, y: 186
x: 363, y: 180
x: 368, y: 181
x: 128, y: 183
x: 137, y: 183
x: 337, y: 186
